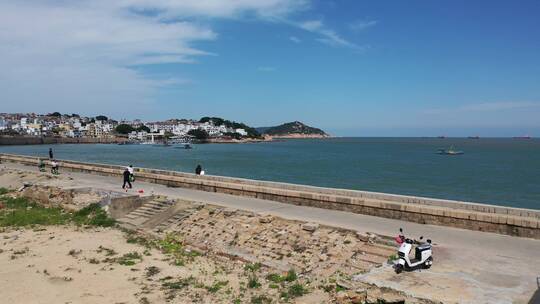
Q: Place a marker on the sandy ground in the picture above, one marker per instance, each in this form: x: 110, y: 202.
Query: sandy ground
x: 76, y: 265
x: 36, y: 267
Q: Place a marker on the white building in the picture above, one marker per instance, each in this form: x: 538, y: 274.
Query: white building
x: 241, y: 132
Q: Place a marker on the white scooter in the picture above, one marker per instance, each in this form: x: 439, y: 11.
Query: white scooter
x: 423, y: 255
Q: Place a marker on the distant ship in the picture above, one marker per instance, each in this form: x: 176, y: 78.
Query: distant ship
x: 442, y: 136
x: 474, y: 137
x: 450, y: 151
x: 522, y: 137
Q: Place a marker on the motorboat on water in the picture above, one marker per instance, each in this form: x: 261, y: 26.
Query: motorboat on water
x: 450, y: 151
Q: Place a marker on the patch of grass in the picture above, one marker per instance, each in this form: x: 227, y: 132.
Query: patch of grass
x: 297, y: 290
x: 275, y: 278
x: 21, y: 212
x: 216, y: 286
x: 93, y: 215
x: 273, y: 286
x: 252, y: 267
x: 129, y: 259
x: 392, y: 258
x: 291, y: 276
x: 3, y: 190
x: 339, y: 288
x: 253, y: 282
x: 174, y: 246
x: 262, y: 299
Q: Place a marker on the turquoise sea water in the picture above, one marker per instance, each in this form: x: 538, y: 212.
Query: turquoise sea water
x: 494, y: 171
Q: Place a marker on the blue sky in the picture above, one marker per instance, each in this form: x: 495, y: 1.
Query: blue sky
x: 354, y: 68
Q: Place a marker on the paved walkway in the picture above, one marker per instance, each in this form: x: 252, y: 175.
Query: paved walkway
x: 470, y: 266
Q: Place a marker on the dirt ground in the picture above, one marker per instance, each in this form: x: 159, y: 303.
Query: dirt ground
x: 77, y: 265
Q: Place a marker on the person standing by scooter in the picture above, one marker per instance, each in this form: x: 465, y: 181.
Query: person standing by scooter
x: 54, y: 167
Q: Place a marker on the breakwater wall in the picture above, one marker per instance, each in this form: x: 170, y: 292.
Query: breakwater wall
x: 481, y: 217
x: 34, y: 140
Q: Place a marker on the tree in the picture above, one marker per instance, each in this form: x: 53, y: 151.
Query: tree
x: 101, y: 117
x: 124, y: 129
x: 233, y: 135
x: 215, y: 120
x: 168, y: 134
x: 199, y: 134
x: 55, y: 114
x: 143, y: 128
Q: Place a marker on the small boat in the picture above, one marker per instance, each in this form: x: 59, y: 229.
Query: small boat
x: 450, y: 151
x: 188, y: 146
x: 441, y: 137
x: 522, y: 137
x: 474, y: 137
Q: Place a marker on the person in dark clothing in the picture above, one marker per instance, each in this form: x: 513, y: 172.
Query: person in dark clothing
x: 198, y: 170
x: 50, y: 153
x: 127, y: 175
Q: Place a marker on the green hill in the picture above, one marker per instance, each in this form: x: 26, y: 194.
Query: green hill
x: 293, y: 129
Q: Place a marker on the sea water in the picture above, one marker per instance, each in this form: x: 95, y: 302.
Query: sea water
x: 492, y: 170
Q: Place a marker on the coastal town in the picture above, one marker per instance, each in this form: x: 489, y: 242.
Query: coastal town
x: 77, y: 126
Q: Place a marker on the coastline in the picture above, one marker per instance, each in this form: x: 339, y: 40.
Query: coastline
x: 42, y: 140
x: 482, y: 217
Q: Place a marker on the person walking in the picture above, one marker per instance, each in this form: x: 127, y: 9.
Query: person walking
x: 126, y: 179
x: 198, y: 170
x: 50, y: 153
x: 131, y: 175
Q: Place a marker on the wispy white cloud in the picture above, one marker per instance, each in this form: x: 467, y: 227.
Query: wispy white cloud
x: 83, y: 55
x: 485, y: 107
x: 360, y: 25
x: 266, y: 69
x: 328, y: 36
x: 295, y: 39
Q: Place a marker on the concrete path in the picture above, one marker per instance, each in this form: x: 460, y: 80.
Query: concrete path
x: 469, y: 267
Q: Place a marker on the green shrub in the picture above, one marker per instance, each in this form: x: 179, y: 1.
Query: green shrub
x: 261, y: 300
x: 291, y: 276
x: 253, y: 282
x: 252, y: 267
x: 297, y: 290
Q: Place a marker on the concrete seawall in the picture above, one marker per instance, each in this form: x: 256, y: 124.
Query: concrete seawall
x: 34, y: 140
x: 473, y: 216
